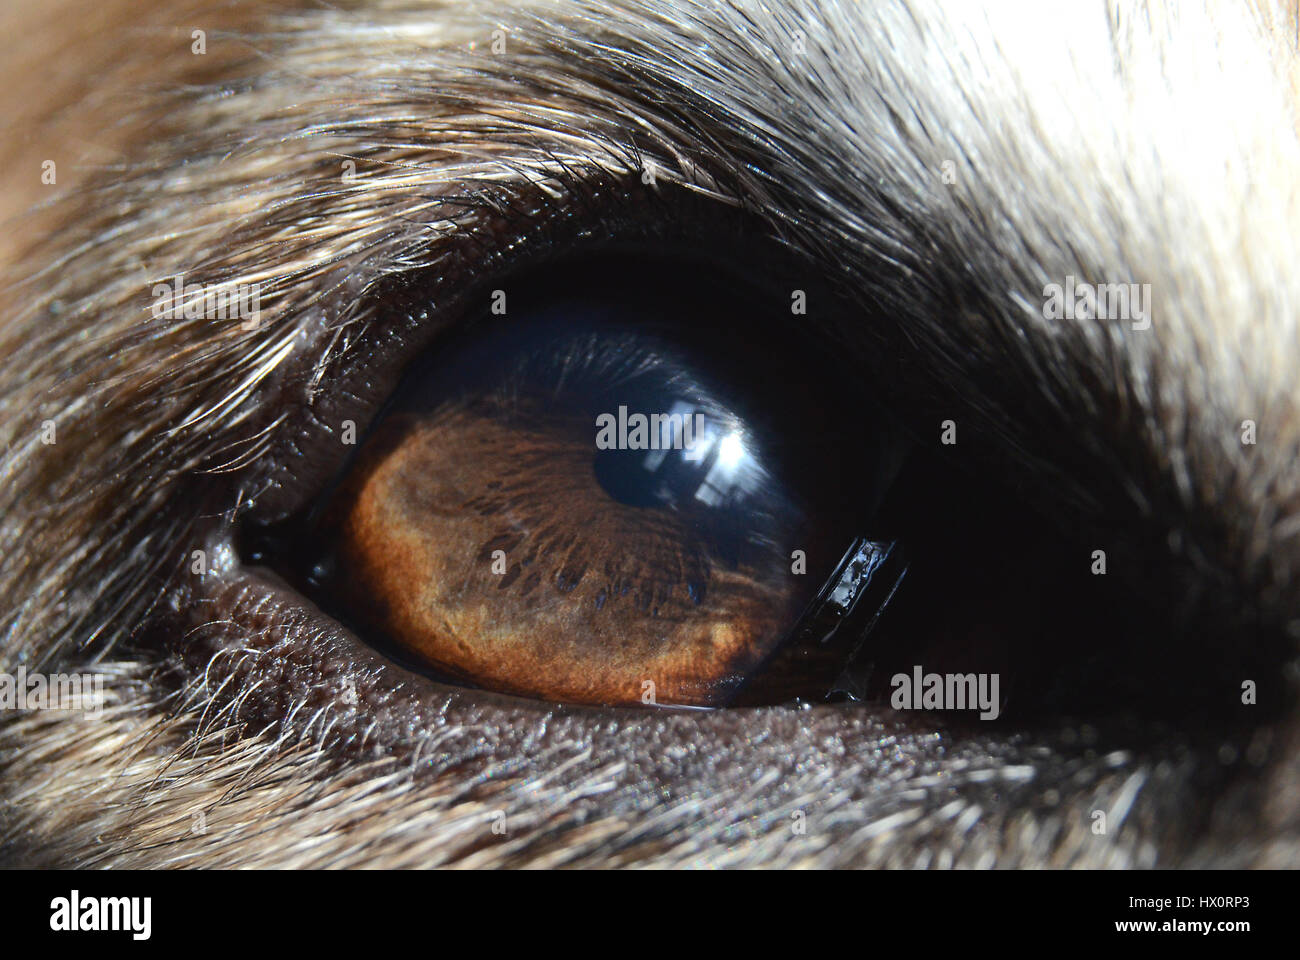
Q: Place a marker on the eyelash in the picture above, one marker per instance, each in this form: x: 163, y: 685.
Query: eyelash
x: 578, y: 366
x: 347, y: 368
x: 404, y: 327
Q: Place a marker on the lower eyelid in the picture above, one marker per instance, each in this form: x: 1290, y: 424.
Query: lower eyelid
x: 272, y: 660
x: 270, y: 657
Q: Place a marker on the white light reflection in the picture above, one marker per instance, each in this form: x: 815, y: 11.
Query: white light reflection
x: 730, y: 452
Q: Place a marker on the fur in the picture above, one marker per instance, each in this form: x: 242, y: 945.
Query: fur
x: 1136, y: 142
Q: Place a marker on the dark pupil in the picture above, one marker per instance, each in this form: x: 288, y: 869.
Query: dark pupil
x: 684, y: 461
x: 626, y: 477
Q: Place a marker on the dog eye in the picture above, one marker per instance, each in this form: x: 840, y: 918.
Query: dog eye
x: 607, y: 497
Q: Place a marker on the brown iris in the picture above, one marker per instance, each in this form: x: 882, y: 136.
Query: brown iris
x: 484, y: 531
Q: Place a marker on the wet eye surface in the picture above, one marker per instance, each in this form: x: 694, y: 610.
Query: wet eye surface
x: 651, y: 483
x: 619, y: 492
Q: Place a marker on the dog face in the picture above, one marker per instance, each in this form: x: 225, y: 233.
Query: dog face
x: 939, y: 182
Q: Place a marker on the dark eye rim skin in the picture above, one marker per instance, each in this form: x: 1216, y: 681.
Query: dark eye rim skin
x: 828, y: 447
x: 617, y: 218
x: 362, y: 381
x: 276, y: 649
x: 304, y: 459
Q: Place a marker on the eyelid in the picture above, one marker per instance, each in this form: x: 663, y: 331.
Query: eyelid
x: 269, y: 655
x: 347, y: 367
x: 268, y: 648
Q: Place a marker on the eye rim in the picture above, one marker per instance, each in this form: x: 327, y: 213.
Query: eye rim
x: 760, y: 242
x: 676, y: 337
x: 271, y: 484
x: 404, y: 315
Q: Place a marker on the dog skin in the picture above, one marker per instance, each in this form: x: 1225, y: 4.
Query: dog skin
x: 932, y: 167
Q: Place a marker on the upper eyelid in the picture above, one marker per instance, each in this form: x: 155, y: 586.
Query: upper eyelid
x: 226, y: 390
x: 320, y: 272
x: 401, y: 315
x: 83, y: 305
